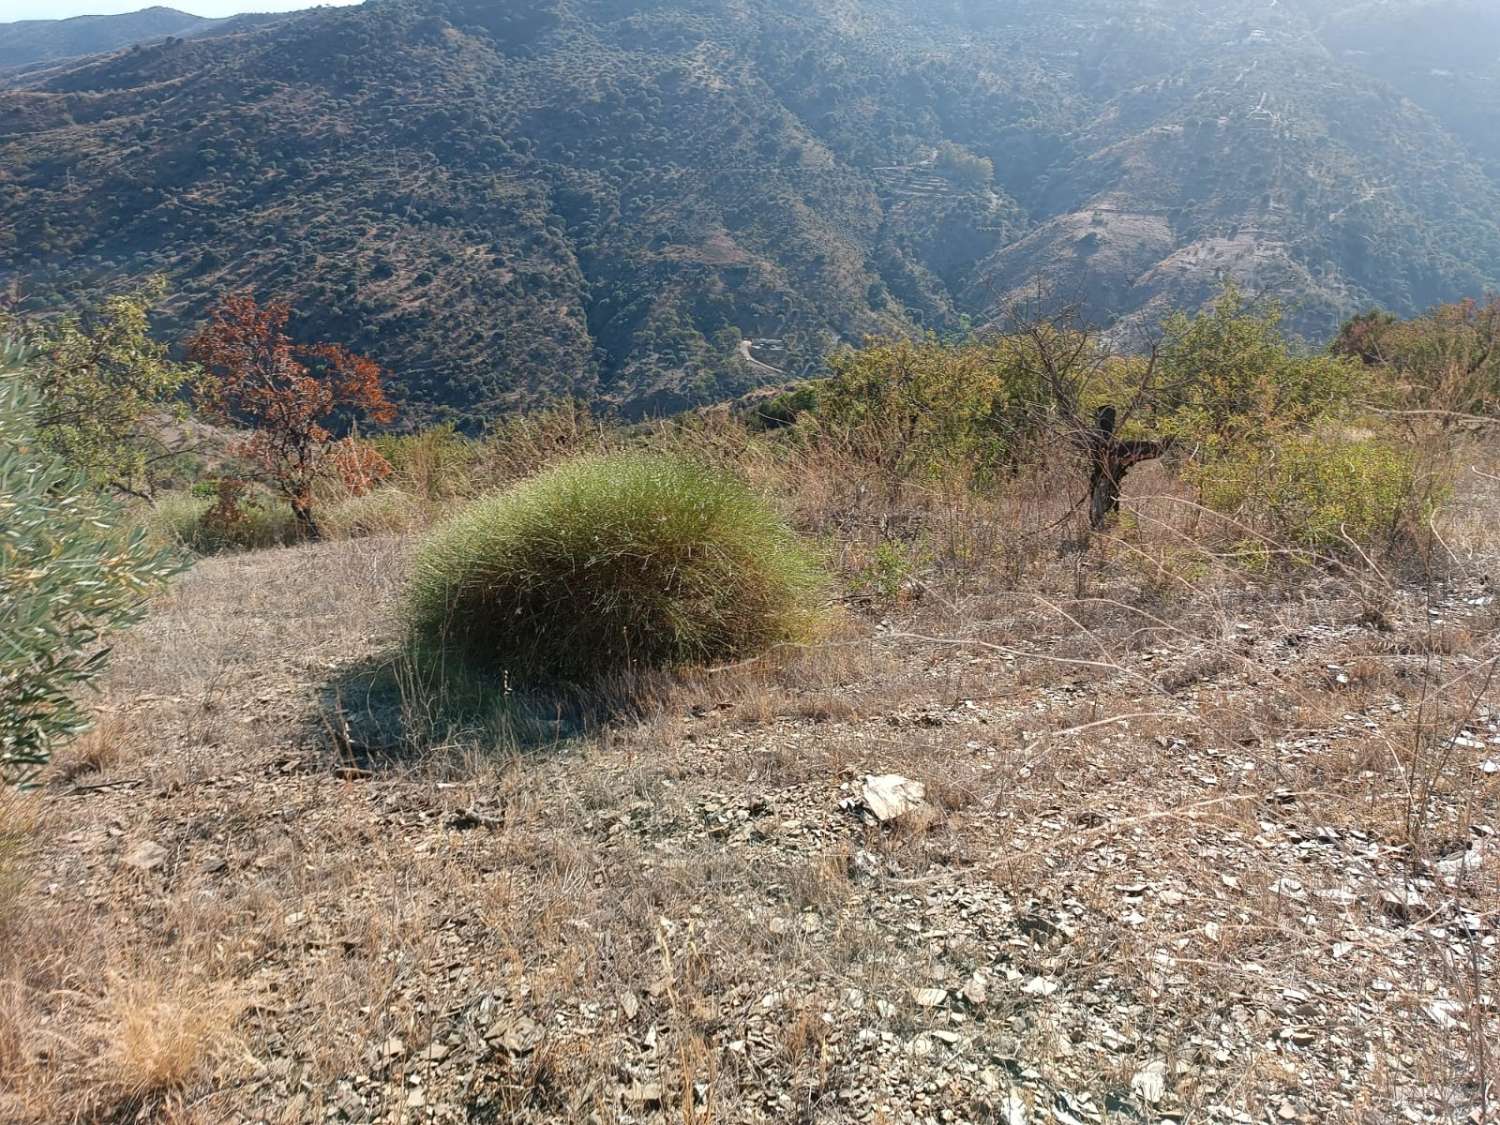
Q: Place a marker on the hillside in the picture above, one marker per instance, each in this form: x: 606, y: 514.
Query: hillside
x: 1194, y: 849
x: 605, y: 198
x: 26, y: 42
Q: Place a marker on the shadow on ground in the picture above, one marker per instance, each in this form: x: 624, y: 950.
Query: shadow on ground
x: 384, y: 714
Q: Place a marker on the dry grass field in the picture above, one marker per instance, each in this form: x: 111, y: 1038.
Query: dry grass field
x: 1195, y: 847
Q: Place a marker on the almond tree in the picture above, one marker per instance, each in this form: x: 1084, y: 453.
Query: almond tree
x: 286, y: 393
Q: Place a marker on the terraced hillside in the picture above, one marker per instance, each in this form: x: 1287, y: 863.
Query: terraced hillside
x: 603, y: 198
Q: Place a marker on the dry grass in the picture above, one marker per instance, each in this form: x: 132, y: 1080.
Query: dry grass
x: 20, y: 823
x: 114, y: 739
x: 163, y: 1036
x: 1173, y: 794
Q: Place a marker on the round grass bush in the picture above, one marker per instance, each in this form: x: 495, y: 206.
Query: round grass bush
x: 609, y: 563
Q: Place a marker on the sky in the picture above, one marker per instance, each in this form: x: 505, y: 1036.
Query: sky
x: 62, y: 9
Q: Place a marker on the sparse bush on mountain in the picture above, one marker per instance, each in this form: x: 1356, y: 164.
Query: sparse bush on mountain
x: 610, y: 563
x: 69, y: 573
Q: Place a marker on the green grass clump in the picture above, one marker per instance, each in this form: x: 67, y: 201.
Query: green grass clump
x: 186, y: 519
x: 612, y: 563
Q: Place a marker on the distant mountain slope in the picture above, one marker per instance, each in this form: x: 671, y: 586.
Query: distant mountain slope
x: 504, y: 201
x: 1442, y: 54
x: 36, y: 41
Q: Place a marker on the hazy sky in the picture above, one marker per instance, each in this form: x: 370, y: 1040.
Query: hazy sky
x: 61, y: 9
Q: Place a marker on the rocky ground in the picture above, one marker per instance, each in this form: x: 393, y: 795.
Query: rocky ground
x: 1170, y: 856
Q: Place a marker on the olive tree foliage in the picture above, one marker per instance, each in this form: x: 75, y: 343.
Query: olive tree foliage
x: 111, y: 398
x: 70, y: 572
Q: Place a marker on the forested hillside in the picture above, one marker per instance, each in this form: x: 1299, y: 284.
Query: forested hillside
x: 503, y: 202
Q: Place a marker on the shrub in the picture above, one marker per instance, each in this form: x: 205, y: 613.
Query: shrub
x: 784, y: 409
x: 435, y: 463
x: 173, y: 520
x: 1319, y: 492
x: 1446, y: 361
x: 236, y: 518
x: 911, y: 409
x: 69, y: 573
x: 110, y: 393
x: 1231, y: 371
x: 608, y: 563
x: 519, y: 445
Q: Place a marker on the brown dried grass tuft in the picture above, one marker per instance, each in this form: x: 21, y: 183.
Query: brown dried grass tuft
x: 163, y: 1034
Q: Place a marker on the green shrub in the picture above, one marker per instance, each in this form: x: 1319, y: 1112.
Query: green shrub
x: 888, y: 572
x: 69, y: 573
x: 173, y: 520
x: 608, y: 563
x: 1231, y: 372
x: 784, y: 409
x: 913, y: 410
x: 1320, y: 492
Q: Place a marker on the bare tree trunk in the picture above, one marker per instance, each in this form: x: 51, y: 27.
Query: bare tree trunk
x: 306, y: 525
x: 1110, y: 459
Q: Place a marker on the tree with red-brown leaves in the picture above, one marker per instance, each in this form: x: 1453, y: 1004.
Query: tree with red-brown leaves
x: 286, y: 394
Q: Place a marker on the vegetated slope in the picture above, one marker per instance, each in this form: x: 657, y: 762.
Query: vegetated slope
x: 26, y: 42
x: 1442, y: 54
x: 603, y: 197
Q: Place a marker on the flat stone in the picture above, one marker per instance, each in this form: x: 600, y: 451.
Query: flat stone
x: 644, y: 1094
x: 148, y: 855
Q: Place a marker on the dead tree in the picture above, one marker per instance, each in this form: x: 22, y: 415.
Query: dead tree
x: 1110, y: 459
x: 1063, y: 357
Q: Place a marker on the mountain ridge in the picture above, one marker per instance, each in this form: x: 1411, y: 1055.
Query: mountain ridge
x: 25, y: 43
x: 605, y: 198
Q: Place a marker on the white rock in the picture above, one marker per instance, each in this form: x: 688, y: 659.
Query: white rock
x: 977, y: 990
x: 1150, y: 1082
x: 890, y: 797
x: 1444, y: 1012
x: 1483, y: 851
